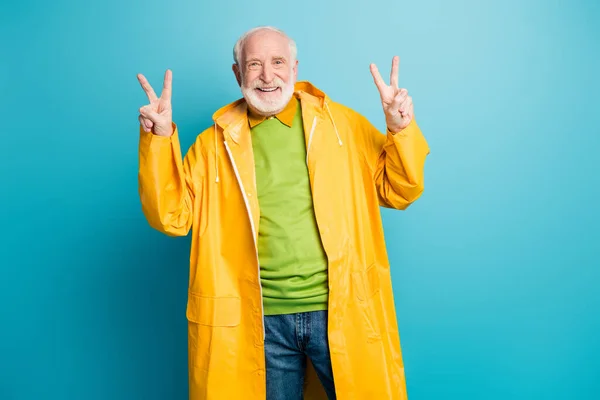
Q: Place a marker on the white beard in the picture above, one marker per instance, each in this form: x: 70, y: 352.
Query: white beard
x: 268, y: 107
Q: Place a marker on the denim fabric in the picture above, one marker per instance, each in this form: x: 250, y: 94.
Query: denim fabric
x: 289, y: 340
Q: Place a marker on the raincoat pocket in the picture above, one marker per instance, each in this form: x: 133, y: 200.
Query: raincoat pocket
x: 213, y: 311
x: 366, y: 288
x: 366, y: 283
x: 213, y: 329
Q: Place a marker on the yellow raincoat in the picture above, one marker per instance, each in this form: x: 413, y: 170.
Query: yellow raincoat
x: 353, y: 170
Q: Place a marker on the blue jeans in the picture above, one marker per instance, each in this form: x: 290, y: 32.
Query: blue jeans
x: 289, y: 340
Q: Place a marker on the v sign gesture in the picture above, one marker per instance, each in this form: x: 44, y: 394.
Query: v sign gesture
x: 158, y: 115
x: 397, y: 104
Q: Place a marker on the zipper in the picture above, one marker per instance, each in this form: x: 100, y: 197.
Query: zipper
x: 237, y: 175
x: 312, y: 130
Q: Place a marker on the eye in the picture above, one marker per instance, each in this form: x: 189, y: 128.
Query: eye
x: 253, y: 65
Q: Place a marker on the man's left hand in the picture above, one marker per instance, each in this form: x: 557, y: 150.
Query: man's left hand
x: 397, y: 104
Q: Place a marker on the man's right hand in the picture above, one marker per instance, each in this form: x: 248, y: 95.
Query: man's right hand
x: 158, y: 115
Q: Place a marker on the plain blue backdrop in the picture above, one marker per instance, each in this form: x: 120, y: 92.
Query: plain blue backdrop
x: 495, y: 268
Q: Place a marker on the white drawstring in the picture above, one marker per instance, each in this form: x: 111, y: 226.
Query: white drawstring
x: 310, y: 137
x: 334, y: 127
x: 216, y: 156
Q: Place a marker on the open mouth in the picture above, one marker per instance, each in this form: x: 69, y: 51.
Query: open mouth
x: 267, y: 90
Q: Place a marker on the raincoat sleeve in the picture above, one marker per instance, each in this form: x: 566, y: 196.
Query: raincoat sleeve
x: 166, y: 182
x: 397, y: 161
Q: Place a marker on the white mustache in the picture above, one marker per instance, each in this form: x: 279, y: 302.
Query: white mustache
x: 258, y: 84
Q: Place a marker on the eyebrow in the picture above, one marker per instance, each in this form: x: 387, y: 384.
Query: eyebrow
x: 256, y: 59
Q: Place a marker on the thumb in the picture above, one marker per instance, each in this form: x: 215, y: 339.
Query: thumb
x: 147, y: 112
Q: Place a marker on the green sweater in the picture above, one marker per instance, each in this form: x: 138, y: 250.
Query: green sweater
x: 293, y: 263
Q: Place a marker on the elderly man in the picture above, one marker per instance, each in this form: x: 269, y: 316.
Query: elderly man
x: 289, y: 279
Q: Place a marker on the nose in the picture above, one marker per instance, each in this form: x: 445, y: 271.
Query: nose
x: 267, y: 73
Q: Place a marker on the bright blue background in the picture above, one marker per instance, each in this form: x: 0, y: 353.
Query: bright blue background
x: 495, y: 268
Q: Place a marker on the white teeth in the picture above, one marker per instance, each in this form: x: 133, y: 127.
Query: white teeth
x: 268, y: 89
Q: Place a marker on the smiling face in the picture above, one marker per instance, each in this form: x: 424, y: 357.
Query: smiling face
x: 266, y: 71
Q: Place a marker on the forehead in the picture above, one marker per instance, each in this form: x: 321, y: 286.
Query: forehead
x: 264, y: 44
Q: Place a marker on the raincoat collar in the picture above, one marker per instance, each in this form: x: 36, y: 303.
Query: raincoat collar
x: 232, y: 116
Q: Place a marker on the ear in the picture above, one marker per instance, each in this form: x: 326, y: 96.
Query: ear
x: 238, y: 74
x: 295, y: 69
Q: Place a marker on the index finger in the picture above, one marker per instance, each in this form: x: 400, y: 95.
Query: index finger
x: 147, y: 88
x: 377, y: 78
x: 394, y: 73
x: 167, y: 86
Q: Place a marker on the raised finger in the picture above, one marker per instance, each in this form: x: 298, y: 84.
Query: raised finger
x: 147, y: 88
x: 377, y: 78
x: 167, y: 86
x: 394, y: 73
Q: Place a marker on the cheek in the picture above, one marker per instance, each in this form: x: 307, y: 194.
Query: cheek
x: 250, y: 77
x: 284, y: 75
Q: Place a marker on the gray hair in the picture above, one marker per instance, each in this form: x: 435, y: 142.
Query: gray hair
x: 239, y: 45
